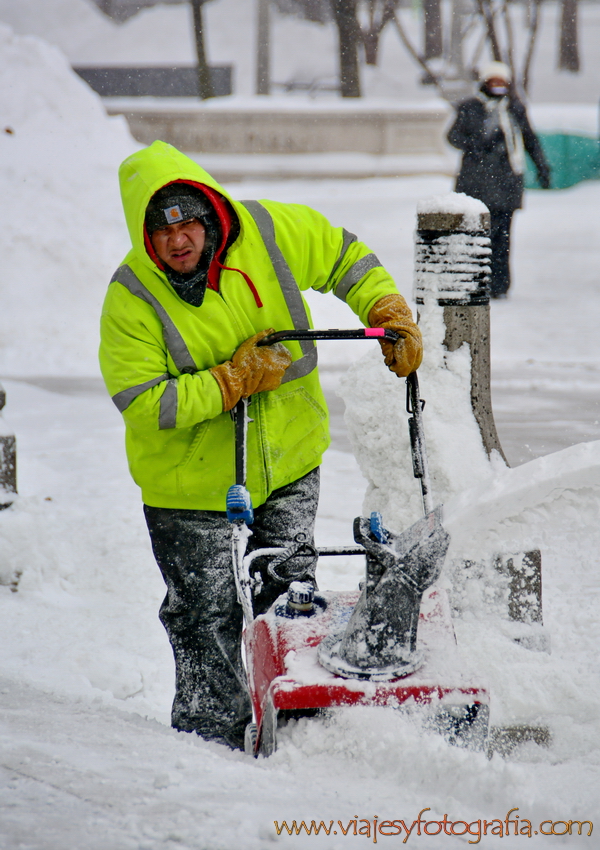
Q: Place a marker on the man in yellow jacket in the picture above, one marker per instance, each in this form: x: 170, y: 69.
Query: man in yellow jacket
x: 205, y: 279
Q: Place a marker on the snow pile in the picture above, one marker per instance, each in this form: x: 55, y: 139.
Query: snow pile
x: 64, y: 232
x: 579, y: 118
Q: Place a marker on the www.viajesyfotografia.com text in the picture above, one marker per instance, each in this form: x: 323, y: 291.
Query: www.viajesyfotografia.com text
x: 376, y: 828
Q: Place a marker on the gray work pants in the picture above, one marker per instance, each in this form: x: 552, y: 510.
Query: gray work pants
x: 200, y: 612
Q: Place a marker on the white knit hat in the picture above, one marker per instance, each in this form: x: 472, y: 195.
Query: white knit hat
x: 495, y: 69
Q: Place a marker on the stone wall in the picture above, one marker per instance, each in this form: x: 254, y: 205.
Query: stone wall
x: 195, y: 128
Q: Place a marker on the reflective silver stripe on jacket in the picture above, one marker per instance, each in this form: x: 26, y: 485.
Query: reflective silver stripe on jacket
x: 356, y: 273
x: 180, y: 354
x: 173, y: 340
x: 167, y: 416
x: 349, y: 238
x: 290, y: 289
x: 125, y: 397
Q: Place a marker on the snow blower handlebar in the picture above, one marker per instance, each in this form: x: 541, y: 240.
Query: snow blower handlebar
x: 360, y: 333
x: 414, y: 404
x: 239, y: 506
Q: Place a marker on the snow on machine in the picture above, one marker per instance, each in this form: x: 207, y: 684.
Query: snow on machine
x: 389, y: 643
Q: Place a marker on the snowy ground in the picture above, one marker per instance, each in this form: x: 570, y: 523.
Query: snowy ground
x: 87, y: 758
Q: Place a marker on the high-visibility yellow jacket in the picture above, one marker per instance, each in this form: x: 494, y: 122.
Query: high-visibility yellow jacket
x: 156, y: 349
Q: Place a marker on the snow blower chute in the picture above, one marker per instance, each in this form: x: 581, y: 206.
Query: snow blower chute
x: 389, y: 643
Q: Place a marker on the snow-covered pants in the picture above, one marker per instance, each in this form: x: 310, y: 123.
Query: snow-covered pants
x: 200, y: 612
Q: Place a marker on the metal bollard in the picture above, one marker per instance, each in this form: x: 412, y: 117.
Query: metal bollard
x: 452, y: 265
x: 8, y: 462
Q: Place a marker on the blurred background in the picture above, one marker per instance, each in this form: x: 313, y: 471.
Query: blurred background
x: 170, y: 66
x: 340, y: 104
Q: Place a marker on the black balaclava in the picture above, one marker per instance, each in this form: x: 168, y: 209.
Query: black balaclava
x: 180, y: 202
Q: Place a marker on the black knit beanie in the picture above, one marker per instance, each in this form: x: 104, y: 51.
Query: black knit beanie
x: 177, y: 202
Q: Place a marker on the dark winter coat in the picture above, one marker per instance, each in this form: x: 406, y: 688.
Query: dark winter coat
x: 486, y: 172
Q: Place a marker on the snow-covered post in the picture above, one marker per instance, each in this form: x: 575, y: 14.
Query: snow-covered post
x: 452, y: 275
x: 452, y: 269
x: 8, y: 460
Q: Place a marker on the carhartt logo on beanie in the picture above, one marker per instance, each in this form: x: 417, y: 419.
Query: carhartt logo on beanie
x: 173, y: 214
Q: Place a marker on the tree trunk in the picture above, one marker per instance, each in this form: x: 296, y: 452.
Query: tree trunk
x: 263, y: 45
x: 205, y: 86
x: 381, y: 13
x: 568, y: 59
x: 370, y: 39
x: 432, y: 22
x: 344, y: 12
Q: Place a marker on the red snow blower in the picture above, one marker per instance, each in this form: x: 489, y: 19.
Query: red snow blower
x: 389, y: 643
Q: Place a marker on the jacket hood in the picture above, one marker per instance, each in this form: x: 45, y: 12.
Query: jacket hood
x: 147, y: 171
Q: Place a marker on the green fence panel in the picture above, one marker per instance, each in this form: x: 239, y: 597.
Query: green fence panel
x: 572, y: 159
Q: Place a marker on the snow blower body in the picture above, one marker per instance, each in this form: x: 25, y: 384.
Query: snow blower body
x: 390, y: 643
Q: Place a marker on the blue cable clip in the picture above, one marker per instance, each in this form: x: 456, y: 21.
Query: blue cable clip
x: 239, y: 505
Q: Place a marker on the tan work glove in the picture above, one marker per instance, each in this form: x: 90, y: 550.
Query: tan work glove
x: 251, y: 370
x: 405, y: 355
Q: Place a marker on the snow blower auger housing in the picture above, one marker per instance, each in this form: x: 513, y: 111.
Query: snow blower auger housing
x: 390, y: 643
x: 380, y: 640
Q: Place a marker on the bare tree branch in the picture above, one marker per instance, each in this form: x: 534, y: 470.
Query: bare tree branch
x: 380, y: 13
x: 487, y: 14
x: 510, y: 41
x: 533, y: 32
x: 413, y: 52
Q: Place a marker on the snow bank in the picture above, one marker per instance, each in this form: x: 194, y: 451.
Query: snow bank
x: 580, y: 118
x: 65, y: 232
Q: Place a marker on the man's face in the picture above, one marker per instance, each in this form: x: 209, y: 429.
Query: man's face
x: 180, y: 245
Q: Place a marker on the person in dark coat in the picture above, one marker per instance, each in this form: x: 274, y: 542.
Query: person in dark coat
x: 493, y: 131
